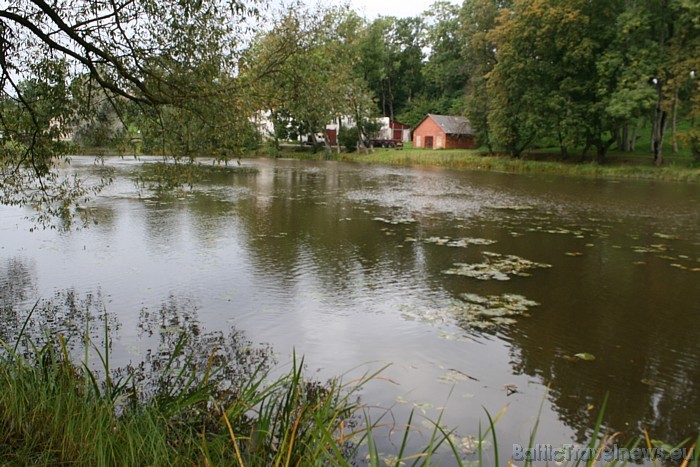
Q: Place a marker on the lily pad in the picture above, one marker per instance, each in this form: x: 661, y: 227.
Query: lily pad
x: 512, y: 207
x: 665, y: 236
x: 424, y: 407
x: 474, y: 312
x: 395, y: 221
x: 453, y: 376
x: 654, y: 248
x: 469, y: 445
x: 495, y: 267
x: 458, y: 242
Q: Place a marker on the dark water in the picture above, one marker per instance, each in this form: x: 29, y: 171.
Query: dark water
x: 304, y: 256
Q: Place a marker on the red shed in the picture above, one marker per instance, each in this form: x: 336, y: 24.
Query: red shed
x: 444, y: 132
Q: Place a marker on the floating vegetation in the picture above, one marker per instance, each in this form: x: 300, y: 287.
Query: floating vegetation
x: 513, y: 207
x: 423, y: 406
x: 475, y: 312
x: 401, y: 399
x: 654, y: 248
x: 558, y: 230
x: 459, y: 242
x: 685, y: 268
x: 471, y: 444
x: 453, y: 337
x: 579, y: 357
x: 665, y: 236
x: 395, y: 221
x: 573, y: 253
x: 453, y: 376
x: 279, y: 235
x: 496, y: 267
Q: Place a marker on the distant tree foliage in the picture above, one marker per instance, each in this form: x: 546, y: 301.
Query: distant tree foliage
x: 583, y: 74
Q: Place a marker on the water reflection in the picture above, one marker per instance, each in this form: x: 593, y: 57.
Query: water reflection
x: 176, y: 324
x: 179, y: 349
x: 17, y: 285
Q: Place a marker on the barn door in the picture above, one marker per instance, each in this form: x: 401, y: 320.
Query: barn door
x: 429, y: 142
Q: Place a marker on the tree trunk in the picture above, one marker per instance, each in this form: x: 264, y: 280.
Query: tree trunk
x: 602, y: 148
x: 562, y: 148
x: 600, y: 154
x: 586, y: 148
x: 674, y: 118
x: 695, y: 144
x: 659, y: 129
x: 619, y: 138
x: 391, y: 101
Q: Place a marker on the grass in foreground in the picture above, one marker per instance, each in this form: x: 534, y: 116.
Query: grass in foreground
x: 53, y: 411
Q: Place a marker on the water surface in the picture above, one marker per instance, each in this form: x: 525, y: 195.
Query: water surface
x: 331, y: 260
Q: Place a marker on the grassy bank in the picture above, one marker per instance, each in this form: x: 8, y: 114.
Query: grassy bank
x: 621, y: 166
x: 55, y: 412
x: 618, y: 166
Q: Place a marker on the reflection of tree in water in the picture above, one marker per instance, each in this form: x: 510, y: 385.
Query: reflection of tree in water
x: 183, y: 345
x: 17, y: 282
x: 648, y: 385
x: 228, y: 360
x: 65, y: 314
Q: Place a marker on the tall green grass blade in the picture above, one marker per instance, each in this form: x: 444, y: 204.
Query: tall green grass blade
x: 24, y: 327
x: 596, y: 431
x: 533, y: 432
x: 492, y: 427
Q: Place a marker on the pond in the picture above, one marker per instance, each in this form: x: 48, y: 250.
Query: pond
x: 478, y: 290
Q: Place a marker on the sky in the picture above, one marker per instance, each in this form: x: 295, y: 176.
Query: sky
x: 399, y: 8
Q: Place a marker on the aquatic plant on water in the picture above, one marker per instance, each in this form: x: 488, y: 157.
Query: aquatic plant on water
x: 496, y: 267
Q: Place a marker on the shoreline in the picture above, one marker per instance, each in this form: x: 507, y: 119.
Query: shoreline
x: 619, y: 167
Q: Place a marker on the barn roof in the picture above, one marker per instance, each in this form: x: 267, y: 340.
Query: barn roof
x: 451, y: 124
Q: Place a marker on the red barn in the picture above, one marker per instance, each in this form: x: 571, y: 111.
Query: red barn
x: 444, y: 132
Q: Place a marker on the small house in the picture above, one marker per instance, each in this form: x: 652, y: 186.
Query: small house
x: 444, y: 132
x: 393, y: 130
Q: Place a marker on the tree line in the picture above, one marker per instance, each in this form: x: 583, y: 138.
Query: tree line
x: 194, y: 77
x: 581, y: 76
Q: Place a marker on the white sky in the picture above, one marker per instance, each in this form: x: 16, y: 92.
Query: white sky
x: 373, y: 8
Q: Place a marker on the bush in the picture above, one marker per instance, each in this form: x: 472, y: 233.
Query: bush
x: 347, y: 137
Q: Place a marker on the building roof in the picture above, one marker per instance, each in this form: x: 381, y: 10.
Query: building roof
x: 451, y: 124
